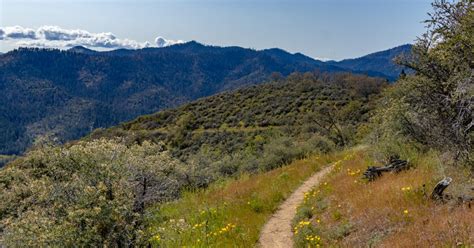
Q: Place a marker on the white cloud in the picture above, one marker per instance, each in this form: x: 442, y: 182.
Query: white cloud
x: 56, y: 37
x: 18, y: 32
x: 162, y: 42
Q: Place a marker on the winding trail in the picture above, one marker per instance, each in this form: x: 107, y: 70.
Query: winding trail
x: 277, y: 231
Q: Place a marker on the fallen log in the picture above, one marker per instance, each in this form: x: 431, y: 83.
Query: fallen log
x: 437, y: 193
x: 395, y: 165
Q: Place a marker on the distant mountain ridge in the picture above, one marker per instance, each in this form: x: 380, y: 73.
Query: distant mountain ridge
x: 381, y: 62
x: 66, y: 94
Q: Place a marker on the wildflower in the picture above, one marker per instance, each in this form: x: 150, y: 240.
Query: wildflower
x: 406, y: 188
x: 405, y: 211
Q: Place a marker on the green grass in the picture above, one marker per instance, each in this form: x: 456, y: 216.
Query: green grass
x: 230, y: 213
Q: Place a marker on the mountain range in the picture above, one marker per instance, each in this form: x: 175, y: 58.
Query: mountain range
x: 50, y: 94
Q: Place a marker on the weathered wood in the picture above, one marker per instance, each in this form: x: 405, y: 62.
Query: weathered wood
x: 396, y: 165
x: 437, y: 193
x: 372, y: 173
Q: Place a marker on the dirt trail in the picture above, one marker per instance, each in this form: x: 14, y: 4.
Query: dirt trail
x: 277, y: 231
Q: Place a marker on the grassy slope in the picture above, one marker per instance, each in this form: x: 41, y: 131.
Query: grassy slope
x: 343, y: 211
x: 393, y: 211
x: 232, y: 212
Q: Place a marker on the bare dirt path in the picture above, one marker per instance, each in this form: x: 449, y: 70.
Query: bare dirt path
x: 277, y: 231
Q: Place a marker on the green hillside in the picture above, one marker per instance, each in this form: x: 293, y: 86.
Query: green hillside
x: 302, y: 105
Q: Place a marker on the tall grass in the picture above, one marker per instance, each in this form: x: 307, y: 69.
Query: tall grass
x: 229, y: 213
x: 393, y: 211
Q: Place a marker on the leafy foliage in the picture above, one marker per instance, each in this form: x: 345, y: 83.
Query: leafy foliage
x: 434, y: 107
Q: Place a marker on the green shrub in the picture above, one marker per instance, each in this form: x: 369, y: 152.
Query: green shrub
x: 89, y: 194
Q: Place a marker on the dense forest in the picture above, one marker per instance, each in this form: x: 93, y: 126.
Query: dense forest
x: 62, y: 95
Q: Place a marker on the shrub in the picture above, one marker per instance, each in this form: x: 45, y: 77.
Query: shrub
x: 279, y: 151
x: 89, y: 194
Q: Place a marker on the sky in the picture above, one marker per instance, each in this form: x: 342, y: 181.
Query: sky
x: 322, y: 29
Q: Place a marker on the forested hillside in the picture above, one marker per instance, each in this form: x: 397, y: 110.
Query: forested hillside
x: 332, y: 106
x: 381, y: 62
x: 62, y: 95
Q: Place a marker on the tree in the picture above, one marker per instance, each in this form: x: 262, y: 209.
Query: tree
x: 434, y: 106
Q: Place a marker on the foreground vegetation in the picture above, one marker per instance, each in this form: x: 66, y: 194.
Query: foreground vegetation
x: 230, y: 213
x: 84, y: 195
x: 393, y: 211
x: 433, y: 108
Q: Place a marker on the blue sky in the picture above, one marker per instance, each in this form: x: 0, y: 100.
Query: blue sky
x: 333, y: 29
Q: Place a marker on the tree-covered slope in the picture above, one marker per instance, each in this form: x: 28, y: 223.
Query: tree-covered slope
x: 63, y: 95
x: 381, y: 62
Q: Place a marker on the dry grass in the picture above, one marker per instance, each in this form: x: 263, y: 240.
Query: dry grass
x: 232, y: 212
x: 392, y: 211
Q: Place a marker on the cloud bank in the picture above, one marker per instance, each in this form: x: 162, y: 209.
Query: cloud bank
x: 56, y: 37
